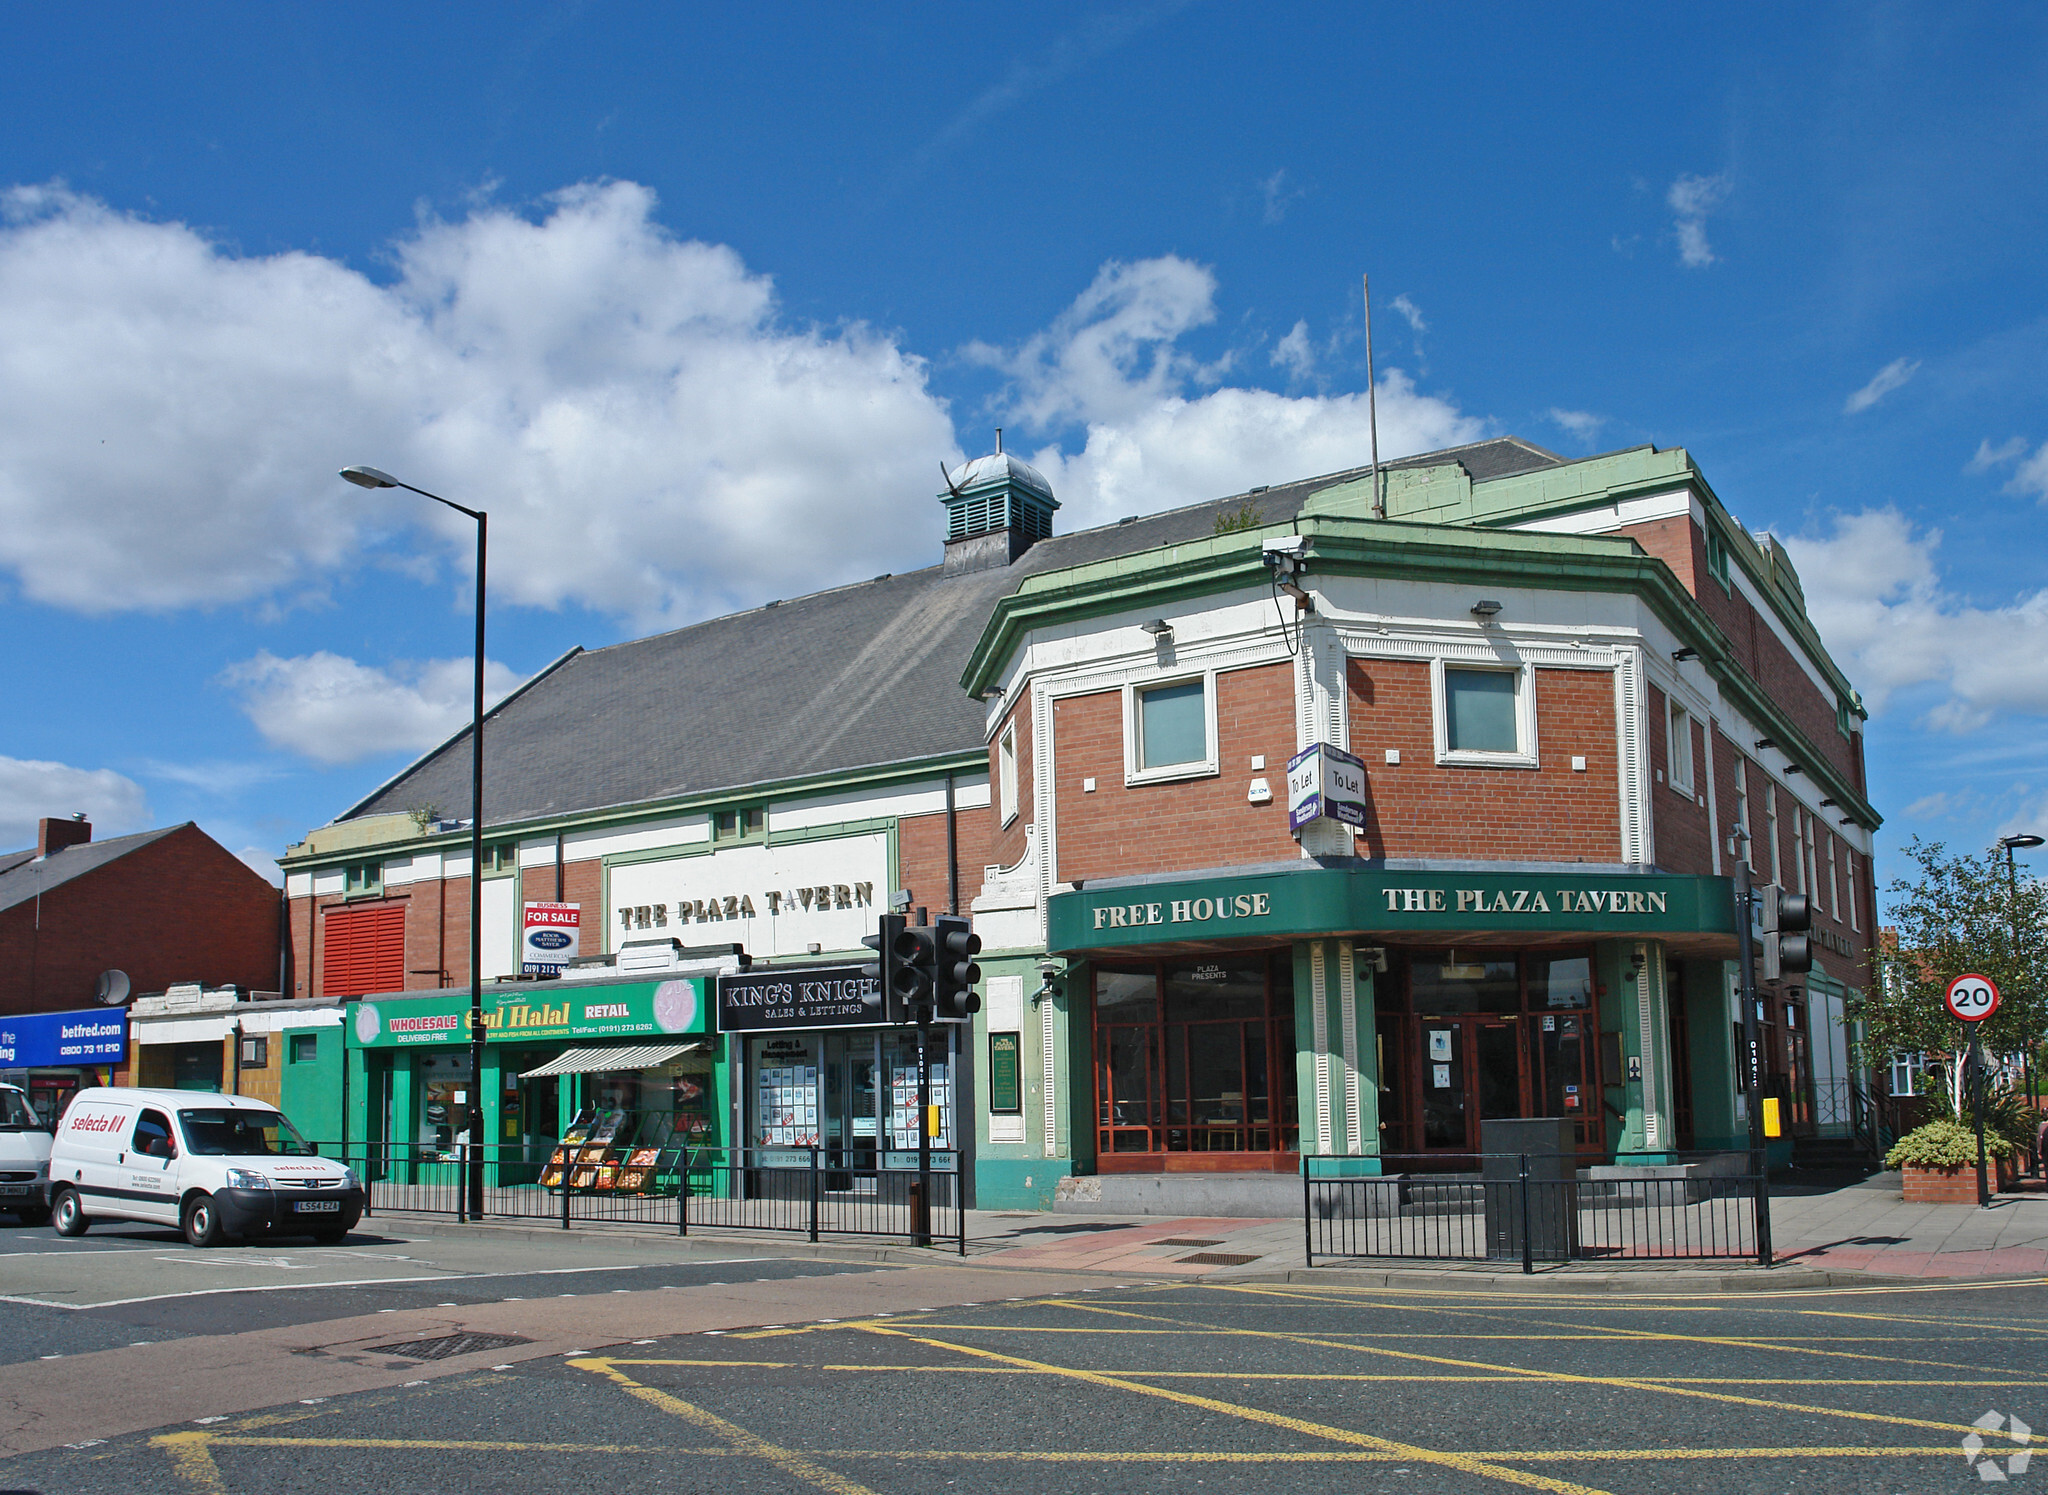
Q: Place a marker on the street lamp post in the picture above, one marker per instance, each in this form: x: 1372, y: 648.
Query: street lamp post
x: 473, y: 1186
x: 2011, y: 844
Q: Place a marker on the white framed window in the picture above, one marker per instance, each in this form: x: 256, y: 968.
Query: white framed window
x: 1800, y: 843
x: 1485, y: 715
x: 1834, y: 883
x: 1170, y: 729
x: 1678, y: 746
x: 1747, y: 842
x: 1908, y: 1071
x: 1771, y: 832
x: 1006, y: 773
x: 1809, y: 871
x: 1855, y: 900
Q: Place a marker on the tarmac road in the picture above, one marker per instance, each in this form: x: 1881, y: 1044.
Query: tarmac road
x: 1186, y: 1387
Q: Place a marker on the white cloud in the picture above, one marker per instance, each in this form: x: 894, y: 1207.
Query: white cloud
x: 1111, y: 364
x: 651, y: 439
x: 334, y: 710
x: 31, y: 790
x: 1691, y: 199
x: 1989, y: 456
x: 1882, y: 383
x: 1279, y: 195
x: 1581, y: 424
x: 1873, y: 590
x: 1294, y: 353
x: 2031, y: 476
x: 1410, y: 312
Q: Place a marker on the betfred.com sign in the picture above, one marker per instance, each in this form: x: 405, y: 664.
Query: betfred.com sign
x: 551, y: 938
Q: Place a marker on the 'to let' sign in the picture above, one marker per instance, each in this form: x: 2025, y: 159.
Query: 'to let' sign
x: 1972, y: 997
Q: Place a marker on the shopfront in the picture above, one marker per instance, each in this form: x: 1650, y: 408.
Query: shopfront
x: 625, y: 1066
x: 814, y: 1068
x: 1236, y: 1022
x: 54, y: 1055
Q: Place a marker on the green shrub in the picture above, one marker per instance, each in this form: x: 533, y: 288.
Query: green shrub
x: 2006, y: 1112
x: 1944, y: 1144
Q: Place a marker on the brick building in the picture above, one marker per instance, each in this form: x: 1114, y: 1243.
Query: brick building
x: 1569, y: 682
x: 161, y: 907
x: 1571, y: 692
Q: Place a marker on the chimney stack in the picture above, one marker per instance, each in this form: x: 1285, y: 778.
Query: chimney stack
x: 55, y: 835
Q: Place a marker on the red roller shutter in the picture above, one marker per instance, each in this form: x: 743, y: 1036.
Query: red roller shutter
x: 365, y: 949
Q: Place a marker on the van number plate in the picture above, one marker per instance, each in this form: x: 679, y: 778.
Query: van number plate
x: 317, y: 1207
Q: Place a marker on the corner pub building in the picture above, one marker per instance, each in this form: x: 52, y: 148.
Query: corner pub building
x: 1567, y: 695
x: 1567, y: 682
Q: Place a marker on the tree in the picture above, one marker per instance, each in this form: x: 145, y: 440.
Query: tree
x: 1960, y: 914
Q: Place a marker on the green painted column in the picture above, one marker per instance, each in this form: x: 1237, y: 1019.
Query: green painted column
x: 1337, y: 1072
x: 1636, y: 1006
x: 1711, y: 1011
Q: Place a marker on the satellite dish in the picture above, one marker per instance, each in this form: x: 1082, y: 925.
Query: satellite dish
x: 112, y: 988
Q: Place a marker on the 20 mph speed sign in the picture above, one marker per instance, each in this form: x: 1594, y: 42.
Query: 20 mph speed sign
x: 1972, y: 997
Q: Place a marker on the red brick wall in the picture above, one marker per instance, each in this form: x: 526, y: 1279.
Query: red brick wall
x: 1189, y: 823
x: 1551, y: 813
x: 1681, y: 544
x: 182, y: 908
x: 921, y: 857
x: 1684, y: 836
x: 1006, y: 845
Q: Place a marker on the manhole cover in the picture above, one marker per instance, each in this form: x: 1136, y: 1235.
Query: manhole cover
x: 1218, y: 1258
x: 447, y: 1346
x: 1181, y: 1240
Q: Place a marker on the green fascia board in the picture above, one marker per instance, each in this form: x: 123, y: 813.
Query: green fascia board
x: 1355, y: 544
x: 1313, y: 902
x: 624, y: 815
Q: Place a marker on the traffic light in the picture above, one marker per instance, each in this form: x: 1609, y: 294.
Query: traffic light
x: 954, y: 995
x: 1795, y: 950
x: 902, y: 971
x: 1781, y: 924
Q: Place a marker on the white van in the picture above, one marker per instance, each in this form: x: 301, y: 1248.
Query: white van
x: 216, y: 1166
x: 24, y: 1157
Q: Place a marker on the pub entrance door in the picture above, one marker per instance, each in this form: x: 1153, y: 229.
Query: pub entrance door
x: 1472, y: 1072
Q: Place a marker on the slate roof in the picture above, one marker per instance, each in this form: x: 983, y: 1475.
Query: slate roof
x: 23, y: 875
x: 861, y: 676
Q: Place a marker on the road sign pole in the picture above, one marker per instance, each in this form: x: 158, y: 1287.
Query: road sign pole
x: 1977, y: 1104
x: 1753, y: 1059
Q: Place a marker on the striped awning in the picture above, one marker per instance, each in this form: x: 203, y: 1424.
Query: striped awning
x: 597, y: 1061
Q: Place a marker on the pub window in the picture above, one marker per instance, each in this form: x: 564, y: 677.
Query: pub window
x: 361, y: 879
x: 1742, y: 814
x: 1855, y: 895
x: 1170, y: 730
x: 1771, y: 831
x: 745, y: 824
x: 1842, y: 716
x: 305, y: 1048
x: 1006, y: 772
x: 1717, y: 558
x: 1485, y: 716
x: 1678, y: 747
x: 256, y: 1053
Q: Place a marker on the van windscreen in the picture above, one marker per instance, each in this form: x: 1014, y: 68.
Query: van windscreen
x: 240, y: 1133
x: 15, y: 1115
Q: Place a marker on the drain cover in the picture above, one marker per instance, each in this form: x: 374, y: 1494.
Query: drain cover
x: 1181, y: 1240
x: 1218, y: 1258
x: 449, y: 1345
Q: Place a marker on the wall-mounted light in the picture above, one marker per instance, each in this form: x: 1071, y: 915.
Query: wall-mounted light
x: 1485, y: 608
x: 1826, y: 804
x: 1762, y: 743
x: 1680, y: 656
x: 1158, y: 628
x: 1792, y: 768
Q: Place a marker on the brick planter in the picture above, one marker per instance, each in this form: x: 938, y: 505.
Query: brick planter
x: 1940, y: 1185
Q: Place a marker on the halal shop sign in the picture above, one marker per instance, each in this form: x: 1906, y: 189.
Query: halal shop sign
x: 1972, y: 997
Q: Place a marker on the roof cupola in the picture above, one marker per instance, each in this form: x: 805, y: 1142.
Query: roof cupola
x: 997, y: 507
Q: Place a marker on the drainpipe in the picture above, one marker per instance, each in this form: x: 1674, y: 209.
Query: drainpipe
x: 558, y: 866
x: 952, y: 851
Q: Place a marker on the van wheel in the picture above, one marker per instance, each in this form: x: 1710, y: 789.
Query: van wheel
x: 71, y: 1216
x: 202, y: 1221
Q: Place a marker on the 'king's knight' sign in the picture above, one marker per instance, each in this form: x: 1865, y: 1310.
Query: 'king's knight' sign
x: 1324, y: 782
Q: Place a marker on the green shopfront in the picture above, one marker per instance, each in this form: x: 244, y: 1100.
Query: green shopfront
x: 1230, y: 1023
x: 632, y: 1062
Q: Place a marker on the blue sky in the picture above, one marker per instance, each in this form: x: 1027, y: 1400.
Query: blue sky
x: 694, y: 299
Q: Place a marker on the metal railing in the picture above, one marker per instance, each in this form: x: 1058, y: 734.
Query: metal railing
x: 1528, y: 1208
x: 785, y: 1189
